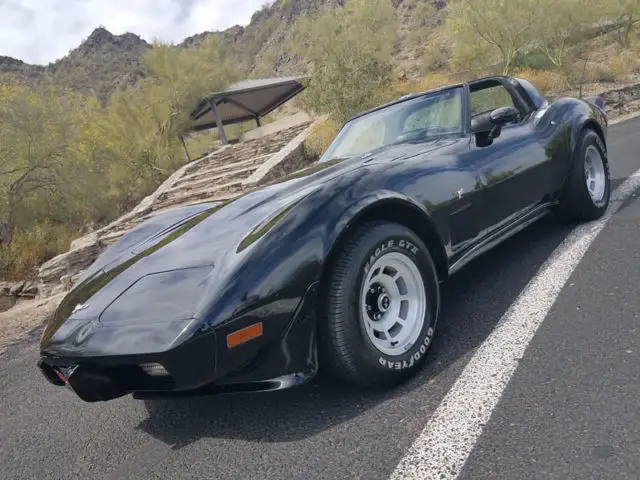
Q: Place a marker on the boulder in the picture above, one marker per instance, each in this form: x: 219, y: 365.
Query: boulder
x: 29, y: 289
x: 66, y: 282
x: 16, y: 288
x: 84, y: 252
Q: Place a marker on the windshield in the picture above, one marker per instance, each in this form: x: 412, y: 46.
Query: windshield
x: 420, y: 119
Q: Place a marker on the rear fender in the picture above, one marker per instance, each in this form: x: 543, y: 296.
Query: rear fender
x: 597, y: 100
x: 573, y: 116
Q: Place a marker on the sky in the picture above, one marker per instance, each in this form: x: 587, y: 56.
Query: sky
x: 41, y: 31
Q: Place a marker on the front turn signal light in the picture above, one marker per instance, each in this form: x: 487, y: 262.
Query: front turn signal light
x: 244, y: 335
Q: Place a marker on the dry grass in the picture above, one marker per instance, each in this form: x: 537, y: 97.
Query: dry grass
x: 27, y: 250
x: 428, y: 82
x: 610, y: 63
x: 546, y: 81
x: 321, y: 137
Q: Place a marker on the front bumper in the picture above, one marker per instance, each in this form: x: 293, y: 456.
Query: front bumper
x: 285, y: 356
x: 93, y: 379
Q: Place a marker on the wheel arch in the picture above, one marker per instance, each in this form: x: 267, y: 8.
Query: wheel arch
x: 393, y: 210
x: 581, y: 125
x: 578, y: 128
x: 591, y: 124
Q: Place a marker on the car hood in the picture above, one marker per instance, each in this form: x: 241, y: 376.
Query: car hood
x: 182, y: 256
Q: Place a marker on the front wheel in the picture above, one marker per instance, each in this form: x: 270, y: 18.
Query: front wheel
x: 380, y: 306
x: 588, y: 188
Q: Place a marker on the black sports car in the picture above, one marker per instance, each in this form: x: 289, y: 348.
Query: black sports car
x: 337, y: 267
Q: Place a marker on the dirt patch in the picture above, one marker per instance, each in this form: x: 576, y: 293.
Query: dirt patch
x: 24, y: 317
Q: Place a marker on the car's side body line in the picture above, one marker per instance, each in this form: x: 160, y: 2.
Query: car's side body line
x: 490, y: 241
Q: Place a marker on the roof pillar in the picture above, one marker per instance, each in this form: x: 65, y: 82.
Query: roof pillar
x: 216, y: 117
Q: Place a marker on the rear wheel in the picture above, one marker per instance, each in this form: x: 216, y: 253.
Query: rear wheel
x: 588, y: 188
x: 380, y: 307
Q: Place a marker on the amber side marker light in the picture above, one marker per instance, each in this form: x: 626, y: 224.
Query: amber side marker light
x: 242, y: 336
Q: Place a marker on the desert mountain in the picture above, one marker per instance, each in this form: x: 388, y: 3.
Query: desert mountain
x: 105, y: 62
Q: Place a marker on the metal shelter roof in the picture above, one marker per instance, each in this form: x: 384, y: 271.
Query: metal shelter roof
x: 243, y: 101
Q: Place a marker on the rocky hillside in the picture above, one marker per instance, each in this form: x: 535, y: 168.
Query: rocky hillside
x: 105, y: 62
x: 102, y: 63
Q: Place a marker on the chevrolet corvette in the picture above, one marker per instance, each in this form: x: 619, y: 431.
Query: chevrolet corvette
x: 335, y: 268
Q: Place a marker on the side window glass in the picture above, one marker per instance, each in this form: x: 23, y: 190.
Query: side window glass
x: 489, y: 99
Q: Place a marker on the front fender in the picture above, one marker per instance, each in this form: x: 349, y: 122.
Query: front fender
x: 289, y: 250
x: 368, y: 207
x: 372, y: 201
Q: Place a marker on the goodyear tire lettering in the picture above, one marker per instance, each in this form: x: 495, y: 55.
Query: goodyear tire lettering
x: 414, y: 358
x: 405, y: 244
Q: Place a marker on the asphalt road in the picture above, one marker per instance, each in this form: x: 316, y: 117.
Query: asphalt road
x: 571, y: 409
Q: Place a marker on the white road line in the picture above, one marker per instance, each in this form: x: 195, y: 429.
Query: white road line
x: 450, y: 435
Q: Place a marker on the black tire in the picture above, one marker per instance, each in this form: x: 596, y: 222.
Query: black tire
x: 576, y: 203
x: 346, y: 351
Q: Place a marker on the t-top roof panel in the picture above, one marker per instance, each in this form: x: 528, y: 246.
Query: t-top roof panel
x: 246, y: 100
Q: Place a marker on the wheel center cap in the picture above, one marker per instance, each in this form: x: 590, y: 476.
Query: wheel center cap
x: 383, y: 302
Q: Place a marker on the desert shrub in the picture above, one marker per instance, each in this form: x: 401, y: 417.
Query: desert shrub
x: 30, y: 248
x: 545, y: 80
x: 68, y: 160
x: 617, y: 66
x: 435, y: 80
x: 533, y: 61
x: 486, y: 30
x: 400, y: 88
x: 598, y: 72
x: 321, y: 137
x: 350, y: 48
x: 620, y: 66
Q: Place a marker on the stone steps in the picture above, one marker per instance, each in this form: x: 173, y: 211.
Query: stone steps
x: 223, y: 169
x: 203, y: 180
x: 247, y: 150
x: 231, y: 155
x: 180, y: 197
x: 215, y: 197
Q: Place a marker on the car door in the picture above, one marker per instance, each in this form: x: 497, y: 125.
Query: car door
x: 450, y: 185
x: 513, y: 168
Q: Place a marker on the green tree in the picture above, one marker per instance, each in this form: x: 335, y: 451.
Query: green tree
x: 350, y: 49
x: 67, y: 160
x: 34, y: 141
x: 627, y: 14
x: 557, y: 33
x: 180, y: 78
x: 489, y: 29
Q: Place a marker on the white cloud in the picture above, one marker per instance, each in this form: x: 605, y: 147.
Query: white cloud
x: 41, y: 31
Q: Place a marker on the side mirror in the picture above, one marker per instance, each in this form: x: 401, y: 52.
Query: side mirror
x: 503, y: 115
x: 500, y: 117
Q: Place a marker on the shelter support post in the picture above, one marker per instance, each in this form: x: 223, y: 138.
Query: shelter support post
x: 216, y: 117
x: 184, y: 148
